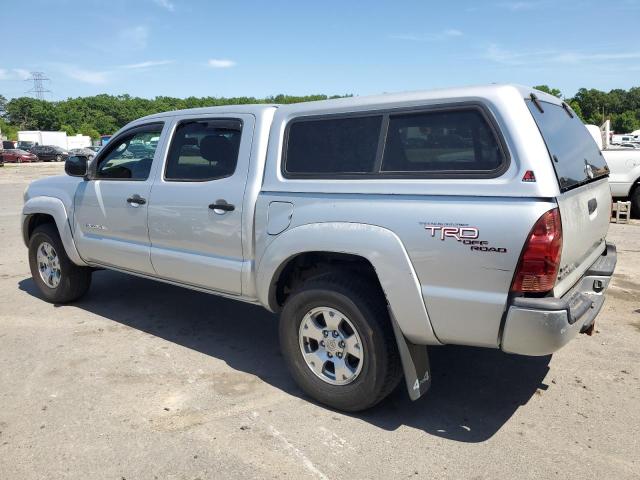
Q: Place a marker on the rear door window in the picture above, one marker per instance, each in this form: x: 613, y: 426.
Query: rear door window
x: 203, y: 150
x: 574, y: 154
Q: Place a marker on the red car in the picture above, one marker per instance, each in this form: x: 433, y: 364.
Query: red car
x: 18, y: 156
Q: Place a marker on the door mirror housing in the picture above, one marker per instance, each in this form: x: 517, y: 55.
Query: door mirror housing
x: 76, y: 166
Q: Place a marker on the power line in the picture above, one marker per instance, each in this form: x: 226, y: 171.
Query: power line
x: 38, y: 89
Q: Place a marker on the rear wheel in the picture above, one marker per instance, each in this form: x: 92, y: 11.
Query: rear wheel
x: 337, y: 339
x: 56, y: 276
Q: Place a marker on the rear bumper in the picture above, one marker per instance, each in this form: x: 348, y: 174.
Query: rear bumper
x: 540, y: 326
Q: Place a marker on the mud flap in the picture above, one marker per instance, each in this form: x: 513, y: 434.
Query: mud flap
x: 415, y: 363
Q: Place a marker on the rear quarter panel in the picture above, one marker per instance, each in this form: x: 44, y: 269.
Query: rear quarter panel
x: 465, y: 291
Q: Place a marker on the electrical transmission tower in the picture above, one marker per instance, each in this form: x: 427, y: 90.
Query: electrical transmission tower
x: 38, y: 89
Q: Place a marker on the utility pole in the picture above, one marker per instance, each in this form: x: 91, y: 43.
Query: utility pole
x: 38, y: 79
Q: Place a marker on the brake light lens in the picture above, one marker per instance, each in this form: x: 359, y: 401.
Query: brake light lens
x: 540, y: 260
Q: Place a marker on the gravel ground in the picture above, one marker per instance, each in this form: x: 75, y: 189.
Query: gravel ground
x: 141, y: 380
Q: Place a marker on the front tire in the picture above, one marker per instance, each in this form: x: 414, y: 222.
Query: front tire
x: 338, y: 342
x: 56, y: 276
x: 58, y: 158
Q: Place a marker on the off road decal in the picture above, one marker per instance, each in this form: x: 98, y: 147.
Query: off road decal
x: 463, y: 233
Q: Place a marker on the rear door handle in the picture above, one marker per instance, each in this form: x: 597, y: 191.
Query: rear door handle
x: 221, y: 207
x: 136, y: 200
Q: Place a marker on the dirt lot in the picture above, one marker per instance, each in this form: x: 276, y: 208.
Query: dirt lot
x: 142, y: 380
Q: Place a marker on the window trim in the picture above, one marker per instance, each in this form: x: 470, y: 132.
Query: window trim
x: 377, y: 173
x: 110, y: 147
x: 199, y: 120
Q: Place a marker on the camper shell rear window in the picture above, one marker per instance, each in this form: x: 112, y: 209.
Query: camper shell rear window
x: 576, y: 158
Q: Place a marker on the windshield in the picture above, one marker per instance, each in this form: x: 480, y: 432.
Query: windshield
x: 575, y: 156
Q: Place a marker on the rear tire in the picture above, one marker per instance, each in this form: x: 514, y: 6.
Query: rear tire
x: 635, y: 202
x: 56, y: 276
x: 361, y: 311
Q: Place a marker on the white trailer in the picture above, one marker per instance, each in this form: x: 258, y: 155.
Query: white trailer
x: 78, y: 141
x: 27, y: 139
x: 59, y: 139
x: 39, y: 137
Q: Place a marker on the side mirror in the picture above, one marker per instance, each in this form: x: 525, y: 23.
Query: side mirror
x: 76, y: 166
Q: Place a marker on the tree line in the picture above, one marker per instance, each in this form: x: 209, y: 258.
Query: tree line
x: 104, y: 114
x: 593, y: 106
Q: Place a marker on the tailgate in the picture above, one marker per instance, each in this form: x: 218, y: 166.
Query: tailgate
x: 585, y: 197
x: 585, y: 213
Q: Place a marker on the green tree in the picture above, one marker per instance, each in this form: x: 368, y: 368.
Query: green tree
x: 8, y: 130
x: 551, y: 91
x: 3, y: 106
x: 625, y: 122
x: 575, y: 106
x: 68, y: 128
x: 86, y: 129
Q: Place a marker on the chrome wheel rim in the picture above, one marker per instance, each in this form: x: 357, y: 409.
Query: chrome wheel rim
x: 331, y: 346
x: 48, y: 265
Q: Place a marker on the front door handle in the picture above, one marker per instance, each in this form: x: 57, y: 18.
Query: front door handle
x: 221, y: 207
x: 136, y: 200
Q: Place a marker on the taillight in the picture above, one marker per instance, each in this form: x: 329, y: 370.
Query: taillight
x: 538, y: 266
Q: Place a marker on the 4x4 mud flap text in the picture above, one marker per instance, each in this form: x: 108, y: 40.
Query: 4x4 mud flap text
x: 415, y: 363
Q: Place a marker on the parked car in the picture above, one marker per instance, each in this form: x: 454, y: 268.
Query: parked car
x: 18, y: 156
x: 87, y: 152
x: 25, y: 145
x: 488, y: 231
x: 625, y: 175
x: 49, y: 153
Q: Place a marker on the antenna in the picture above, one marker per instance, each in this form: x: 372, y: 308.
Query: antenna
x: 38, y: 89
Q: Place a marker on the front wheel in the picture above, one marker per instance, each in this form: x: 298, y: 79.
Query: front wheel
x: 337, y: 339
x: 58, y: 158
x: 56, y: 276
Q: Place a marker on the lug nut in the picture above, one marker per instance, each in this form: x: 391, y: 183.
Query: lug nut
x: 341, y: 344
x: 335, y: 333
x: 339, y: 354
x: 330, y: 355
x: 322, y: 343
x: 325, y: 333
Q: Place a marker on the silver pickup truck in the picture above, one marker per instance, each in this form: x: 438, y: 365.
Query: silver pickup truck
x: 375, y: 226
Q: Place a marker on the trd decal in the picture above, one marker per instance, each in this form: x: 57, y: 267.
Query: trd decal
x: 463, y: 233
x: 459, y: 233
